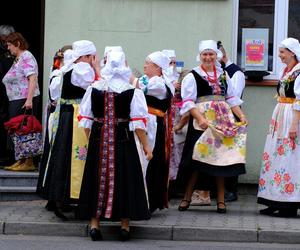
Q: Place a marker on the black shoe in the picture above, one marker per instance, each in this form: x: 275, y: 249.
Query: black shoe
x: 268, y: 211
x: 221, y: 210
x: 50, y: 206
x: 59, y: 214
x: 287, y: 213
x: 124, y: 235
x: 230, y: 196
x: 96, y: 234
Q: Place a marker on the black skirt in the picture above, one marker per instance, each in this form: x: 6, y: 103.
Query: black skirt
x: 188, y: 166
x: 278, y: 204
x: 157, y: 171
x: 129, y: 193
x: 57, y: 182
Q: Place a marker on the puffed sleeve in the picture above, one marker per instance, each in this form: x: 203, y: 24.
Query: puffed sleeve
x: 28, y: 64
x: 238, y: 81
x: 188, y: 93
x: 86, y: 116
x: 138, y: 111
x: 296, y: 105
x: 231, y: 97
x: 55, y: 85
x: 83, y: 75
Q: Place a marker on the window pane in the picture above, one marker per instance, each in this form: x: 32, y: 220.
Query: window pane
x: 294, y: 19
x: 256, y: 14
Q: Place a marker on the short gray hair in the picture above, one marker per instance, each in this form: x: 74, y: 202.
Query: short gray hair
x: 5, y: 30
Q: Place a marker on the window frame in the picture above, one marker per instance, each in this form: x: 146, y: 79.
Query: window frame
x: 280, y: 32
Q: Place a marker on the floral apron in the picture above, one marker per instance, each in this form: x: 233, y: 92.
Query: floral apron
x: 223, y: 143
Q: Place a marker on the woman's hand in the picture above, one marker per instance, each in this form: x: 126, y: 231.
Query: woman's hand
x: 28, y: 104
x: 203, y: 123
x: 243, y: 119
x: 148, y: 152
x: 293, y: 131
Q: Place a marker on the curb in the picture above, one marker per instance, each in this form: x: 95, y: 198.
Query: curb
x: 111, y: 232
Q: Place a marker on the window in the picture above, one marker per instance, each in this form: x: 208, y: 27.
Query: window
x: 281, y: 19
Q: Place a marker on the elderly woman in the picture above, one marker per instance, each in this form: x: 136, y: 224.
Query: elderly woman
x: 280, y: 176
x: 114, y: 114
x: 158, y: 93
x: 215, y: 143
x: 21, y: 86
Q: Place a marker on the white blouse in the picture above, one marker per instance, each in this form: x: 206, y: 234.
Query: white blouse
x: 189, y: 91
x: 82, y: 76
x: 238, y: 81
x: 138, y: 108
x: 155, y: 86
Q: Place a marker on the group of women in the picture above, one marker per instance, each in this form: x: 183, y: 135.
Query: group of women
x: 109, y: 134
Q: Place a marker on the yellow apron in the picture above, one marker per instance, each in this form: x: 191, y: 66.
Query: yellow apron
x: 79, y: 152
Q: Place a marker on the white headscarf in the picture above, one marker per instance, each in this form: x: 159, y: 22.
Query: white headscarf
x: 293, y: 45
x: 115, y: 71
x: 160, y: 59
x: 170, y: 74
x: 83, y: 48
x: 68, y: 56
x: 209, y: 44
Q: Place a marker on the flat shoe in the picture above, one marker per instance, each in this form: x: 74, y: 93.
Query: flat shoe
x: 95, y: 234
x: 221, y: 210
x: 268, y: 211
x: 124, y: 235
x: 184, y: 208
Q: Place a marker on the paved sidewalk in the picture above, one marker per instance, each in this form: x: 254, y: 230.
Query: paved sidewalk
x: 241, y: 223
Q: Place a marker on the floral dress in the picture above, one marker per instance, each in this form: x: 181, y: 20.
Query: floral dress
x: 279, y: 182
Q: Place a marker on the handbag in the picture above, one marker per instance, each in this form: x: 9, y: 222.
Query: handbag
x: 30, y: 143
x: 27, y: 146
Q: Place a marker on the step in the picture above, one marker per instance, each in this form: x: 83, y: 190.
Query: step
x: 18, y: 193
x: 18, y: 179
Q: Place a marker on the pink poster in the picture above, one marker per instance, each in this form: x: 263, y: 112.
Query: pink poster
x: 254, y: 52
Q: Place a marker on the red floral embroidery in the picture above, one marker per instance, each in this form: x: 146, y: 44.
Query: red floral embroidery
x: 289, y: 188
x: 285, y: 141
x: 280, y: 150
x: 265, y: 156
x: 286, y: 177
x: 292, y: 144
x: 277, y: 178
x: 262, y: 182
x: 267, y: 166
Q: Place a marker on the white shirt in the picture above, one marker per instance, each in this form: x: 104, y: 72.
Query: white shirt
x: 189, y: 91
x: 237, y: 80
x: 155, y: 86
x: 138, y: 107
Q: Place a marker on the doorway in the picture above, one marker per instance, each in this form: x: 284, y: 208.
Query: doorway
x: 27, y: 17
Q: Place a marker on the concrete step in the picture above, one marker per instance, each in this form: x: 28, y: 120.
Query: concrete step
x: 18, y: 193
x: 18, y: 179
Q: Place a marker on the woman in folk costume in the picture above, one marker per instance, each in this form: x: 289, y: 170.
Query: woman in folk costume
x: 215, y: 144
x: 61, y: 63
x: 158, y: 95
x: 63, y: 173
x: 114, y: 115
x: 279, y: 182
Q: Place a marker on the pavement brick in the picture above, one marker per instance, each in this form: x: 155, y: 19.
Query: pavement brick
x: 45, y: 228
x: 241, y: 223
